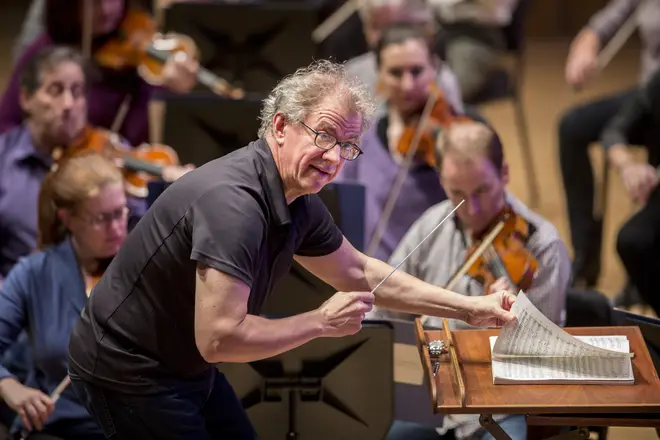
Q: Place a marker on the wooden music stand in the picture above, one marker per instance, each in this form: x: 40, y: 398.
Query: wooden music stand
x: 559, y: 405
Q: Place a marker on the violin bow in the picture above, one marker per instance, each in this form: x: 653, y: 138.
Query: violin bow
x: 87, y: 32
x: 55, y: 395
x: 401, y: 175
x: 336, y: 19
x: 619, y: 39
x: 485, y: 244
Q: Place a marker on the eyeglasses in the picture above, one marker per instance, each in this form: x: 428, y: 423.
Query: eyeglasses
x: 325, y: 141
x: 106, y: 218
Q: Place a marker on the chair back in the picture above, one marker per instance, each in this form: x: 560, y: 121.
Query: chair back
x: 514, y: 32
x: 588, y: 308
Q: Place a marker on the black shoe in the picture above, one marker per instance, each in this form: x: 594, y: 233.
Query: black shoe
x: 628, y: 297
x: 586, y: 264
x: 586, y: 271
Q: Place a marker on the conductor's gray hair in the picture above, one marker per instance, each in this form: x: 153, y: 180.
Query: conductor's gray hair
x: 299, y: 94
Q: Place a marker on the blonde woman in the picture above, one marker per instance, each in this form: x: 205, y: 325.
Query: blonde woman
x: 82, y: 224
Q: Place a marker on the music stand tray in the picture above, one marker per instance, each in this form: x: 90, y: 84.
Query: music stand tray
x: 579, y: 403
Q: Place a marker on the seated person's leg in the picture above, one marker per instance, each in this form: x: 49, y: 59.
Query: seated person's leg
x: 402, y: 430
x: 70, y: 430
x: 578, y: 128
x: 472, y: 62
x: 515, y: 426
x: 638, y: 246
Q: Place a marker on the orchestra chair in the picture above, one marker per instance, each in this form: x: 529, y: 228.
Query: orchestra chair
x: 506, y: 83
x: 587, y: 308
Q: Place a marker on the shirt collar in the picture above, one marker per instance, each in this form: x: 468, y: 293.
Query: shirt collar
x: 272, y: 183
x: 26, y: 151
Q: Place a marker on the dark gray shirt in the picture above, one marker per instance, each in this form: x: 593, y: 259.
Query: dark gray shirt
x: 137, y: 332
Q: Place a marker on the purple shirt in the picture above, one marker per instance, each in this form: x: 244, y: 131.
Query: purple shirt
x: 104, y: 99
x: 377, y: 171
x: 21, y: 172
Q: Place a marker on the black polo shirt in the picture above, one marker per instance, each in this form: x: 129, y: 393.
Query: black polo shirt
x: 137, y: 332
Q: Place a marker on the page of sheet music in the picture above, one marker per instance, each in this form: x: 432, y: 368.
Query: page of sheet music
x: 533, y: 334
x: 570, y: 369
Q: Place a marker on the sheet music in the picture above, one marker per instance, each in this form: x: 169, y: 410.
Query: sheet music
x: 533, y: 334
x: 563, y: 369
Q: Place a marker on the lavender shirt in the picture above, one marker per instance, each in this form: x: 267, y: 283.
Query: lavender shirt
x: 21, y: 172
x: 377, y: 171
x: 104, y: 99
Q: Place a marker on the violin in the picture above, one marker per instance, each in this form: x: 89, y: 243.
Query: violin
x: 139, y: 45
x: 418, y: 140
x: 141, y: 164
x: 440, y: 116
x: 506, y: 255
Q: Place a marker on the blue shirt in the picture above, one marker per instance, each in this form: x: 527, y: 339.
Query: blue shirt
x: 44, y: 294
x: 22, y: 170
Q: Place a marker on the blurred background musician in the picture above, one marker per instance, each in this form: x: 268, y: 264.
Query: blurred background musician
x: 109, y: 88
x: 53, y: 99
x: 473, y: 38
x: 584, y: 124
x: 378, y: 15
x: 472, y: 168
x: 638, y: 241
x: 82, y: 224
x: 407, y: 73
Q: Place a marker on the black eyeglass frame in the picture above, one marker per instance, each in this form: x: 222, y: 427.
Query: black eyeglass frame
x: 342, y: 145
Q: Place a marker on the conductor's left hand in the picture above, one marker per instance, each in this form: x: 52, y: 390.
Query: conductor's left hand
x: 492, y: 310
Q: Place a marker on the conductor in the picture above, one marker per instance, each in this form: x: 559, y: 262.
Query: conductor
x: 186, y: 289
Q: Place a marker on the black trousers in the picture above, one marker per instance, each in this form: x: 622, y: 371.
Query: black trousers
x: 638, y: 246
x: 177, y: 414
x: 578, y: 128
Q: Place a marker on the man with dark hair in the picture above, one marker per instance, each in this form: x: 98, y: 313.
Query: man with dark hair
x: 638, y: 241
x: 472, y: 168
x: 53, y: 98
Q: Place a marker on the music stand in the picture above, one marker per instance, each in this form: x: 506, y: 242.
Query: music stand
x: 327, y: 389
x: 203, y: 126
x: 299, y: 291
x: 250, y: 44
x: 650, y: 328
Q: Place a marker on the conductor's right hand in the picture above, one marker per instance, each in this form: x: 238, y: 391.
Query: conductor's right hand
x: 343, y: 313
x: 30, y: 404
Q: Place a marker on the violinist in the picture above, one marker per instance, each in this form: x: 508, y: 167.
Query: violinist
x: 53, y: 100
x: 407, y: 69
x: 111, y: 90
x: 472, y: 168
x: 378, y: 15
x: 82, y: 224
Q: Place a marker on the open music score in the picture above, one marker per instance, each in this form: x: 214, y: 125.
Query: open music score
x: 481, y: 396
x: 534, y: 350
